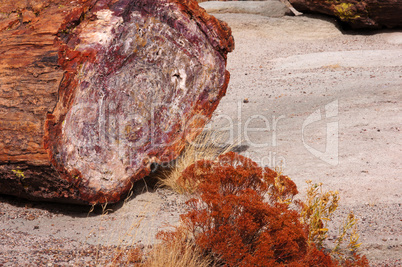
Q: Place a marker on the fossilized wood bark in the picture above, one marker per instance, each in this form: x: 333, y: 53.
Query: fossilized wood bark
x: 371, y: 14
x: 93, y: 92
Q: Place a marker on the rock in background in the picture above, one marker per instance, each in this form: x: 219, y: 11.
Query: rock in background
x: 371, y: 14
x: 93, y: 92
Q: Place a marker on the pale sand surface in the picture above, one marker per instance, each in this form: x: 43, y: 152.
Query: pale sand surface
x: 321, y: 104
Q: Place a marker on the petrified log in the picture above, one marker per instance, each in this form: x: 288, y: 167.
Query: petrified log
x: 93, y: 92
x: 358, y: 14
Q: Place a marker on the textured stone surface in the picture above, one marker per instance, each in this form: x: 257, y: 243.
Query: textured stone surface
x: 357, y: 14
x: 114, y: 86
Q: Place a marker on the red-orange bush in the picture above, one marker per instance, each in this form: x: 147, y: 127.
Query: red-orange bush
x: 241, y: 216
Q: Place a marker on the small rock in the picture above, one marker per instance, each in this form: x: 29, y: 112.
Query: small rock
x: 31, y: 217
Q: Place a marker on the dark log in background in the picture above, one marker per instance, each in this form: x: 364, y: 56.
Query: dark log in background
x: 93, y: 92
x: 357, y: 14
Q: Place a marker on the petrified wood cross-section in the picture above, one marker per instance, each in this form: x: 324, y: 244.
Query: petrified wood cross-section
x: 92, y: 93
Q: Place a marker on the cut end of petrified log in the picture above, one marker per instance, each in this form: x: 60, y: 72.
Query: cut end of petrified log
x: 141, y: 78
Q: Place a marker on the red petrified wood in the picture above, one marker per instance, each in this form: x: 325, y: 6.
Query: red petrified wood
x: 93, y: 92
x: 358, y: 14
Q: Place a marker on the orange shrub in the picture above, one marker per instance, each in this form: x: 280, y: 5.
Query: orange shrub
x: 241, y: 215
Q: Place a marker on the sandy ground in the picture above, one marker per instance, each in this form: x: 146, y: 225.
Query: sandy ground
x: 319, y: 103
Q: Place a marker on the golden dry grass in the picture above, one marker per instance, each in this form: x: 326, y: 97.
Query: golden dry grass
x: 178, y: 252
x: 204, y: 147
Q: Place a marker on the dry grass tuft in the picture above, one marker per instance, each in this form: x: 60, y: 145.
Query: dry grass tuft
x: 179, y: 251
x: 174, y: 251
x: 207, y: 146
